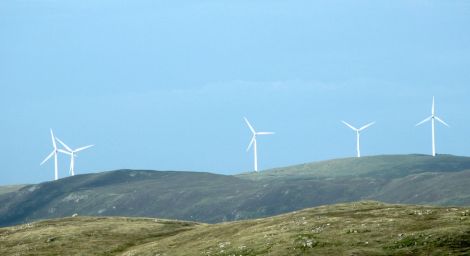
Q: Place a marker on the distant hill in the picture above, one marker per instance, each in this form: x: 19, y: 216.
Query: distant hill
x: 10, y: 188
x: 360, y: 228
x: 180, y: 195
x: 414, y: 179
x: 211, y: 198
x: 383, y: 166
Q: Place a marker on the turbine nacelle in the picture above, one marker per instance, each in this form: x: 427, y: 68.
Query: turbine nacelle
x: 253, y: 142
x: 358, y: 131
x: 53, y: 153
x: 432, y: 118
x: 72, y: 153
x: 255, y: 133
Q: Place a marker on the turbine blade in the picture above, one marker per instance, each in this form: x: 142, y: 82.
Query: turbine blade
x: 251, y: 143
x: 47, y: 158
x: 264, y: 133
x: 249, y: 125
x: 366, y: 126
x: 65, y: 152
x: 63, y: 144
x: 83, y: 148
x: 350, y: 126
x: 433, y: 110
x: 54, y: 144
x: 442, y: 122
x: 424, y: 121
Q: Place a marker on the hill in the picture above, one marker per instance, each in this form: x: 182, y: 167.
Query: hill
x: 10, y: 188
x: 166, y: 194
x: 362, y: 228
x: 414, y: 179
x: 212, y: 198
x: 383, y: 166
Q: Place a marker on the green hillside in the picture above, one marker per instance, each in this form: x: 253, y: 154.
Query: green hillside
x: 384, y: 166
x: 180, y: 195
x: 361, y: 228
x: 212, y: 198
x: 10, y: 188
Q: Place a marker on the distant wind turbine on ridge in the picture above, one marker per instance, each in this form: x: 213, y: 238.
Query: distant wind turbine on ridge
x: 358, y: 134
x: 253, y: 142
x: 53, y: 153
x: 432, y: 118
x: 72, y: 153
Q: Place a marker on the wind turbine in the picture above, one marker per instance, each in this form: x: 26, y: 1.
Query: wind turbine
x: 72, y: 153
x: 432, y: 118
x: 253, y: 142
x: 358, y: 134
x: 53, y: 153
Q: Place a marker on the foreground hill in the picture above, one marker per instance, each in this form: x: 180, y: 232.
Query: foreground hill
x: 205, y: 197
x: 362, y: 228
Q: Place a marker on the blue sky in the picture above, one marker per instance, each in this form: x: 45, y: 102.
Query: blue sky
x: 164, y: 85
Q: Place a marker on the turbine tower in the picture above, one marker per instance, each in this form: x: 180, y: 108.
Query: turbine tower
x: 358, y: 135
x: 253, y: 142
x: 432, y: 118
x: 72, y: 153
x: 53, y: 153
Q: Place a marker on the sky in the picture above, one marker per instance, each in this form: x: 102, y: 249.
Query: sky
x: 164, y: 85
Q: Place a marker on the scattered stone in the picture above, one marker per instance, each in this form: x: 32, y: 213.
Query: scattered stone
x: 51, y: 239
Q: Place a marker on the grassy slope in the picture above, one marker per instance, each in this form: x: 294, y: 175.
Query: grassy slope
x: 205, y: 197
x: 383, y: 166
x: 10, y: 188
x: 415, y: 179
x: 86, y: 235
x: 363, y: 228
x: 179, y: 195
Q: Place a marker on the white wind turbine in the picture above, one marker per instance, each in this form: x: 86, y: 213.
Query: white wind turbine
x: 253, y: 142
x: 432, y: 118
x: 72, y: 153
x: 53, y: 153
x: 358, y: 134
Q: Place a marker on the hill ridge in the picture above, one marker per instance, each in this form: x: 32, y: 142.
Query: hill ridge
x: 212, y: 198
